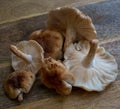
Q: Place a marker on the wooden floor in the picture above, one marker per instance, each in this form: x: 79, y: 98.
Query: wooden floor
x: 11, y: 10
x: 106, y: 17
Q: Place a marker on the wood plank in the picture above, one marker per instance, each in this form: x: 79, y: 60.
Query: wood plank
x: 106, y: 22
x: 79, y: 99
x: 40, y: 92
x: 11, y: 11
x: 16, y: 31
x: 105, y: 16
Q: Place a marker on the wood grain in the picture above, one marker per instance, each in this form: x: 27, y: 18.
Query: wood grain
x: 107, y: 27
x: 79, y: 99
x: 17, y: 9
x: 106, y: 23
x: 40, y: 92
